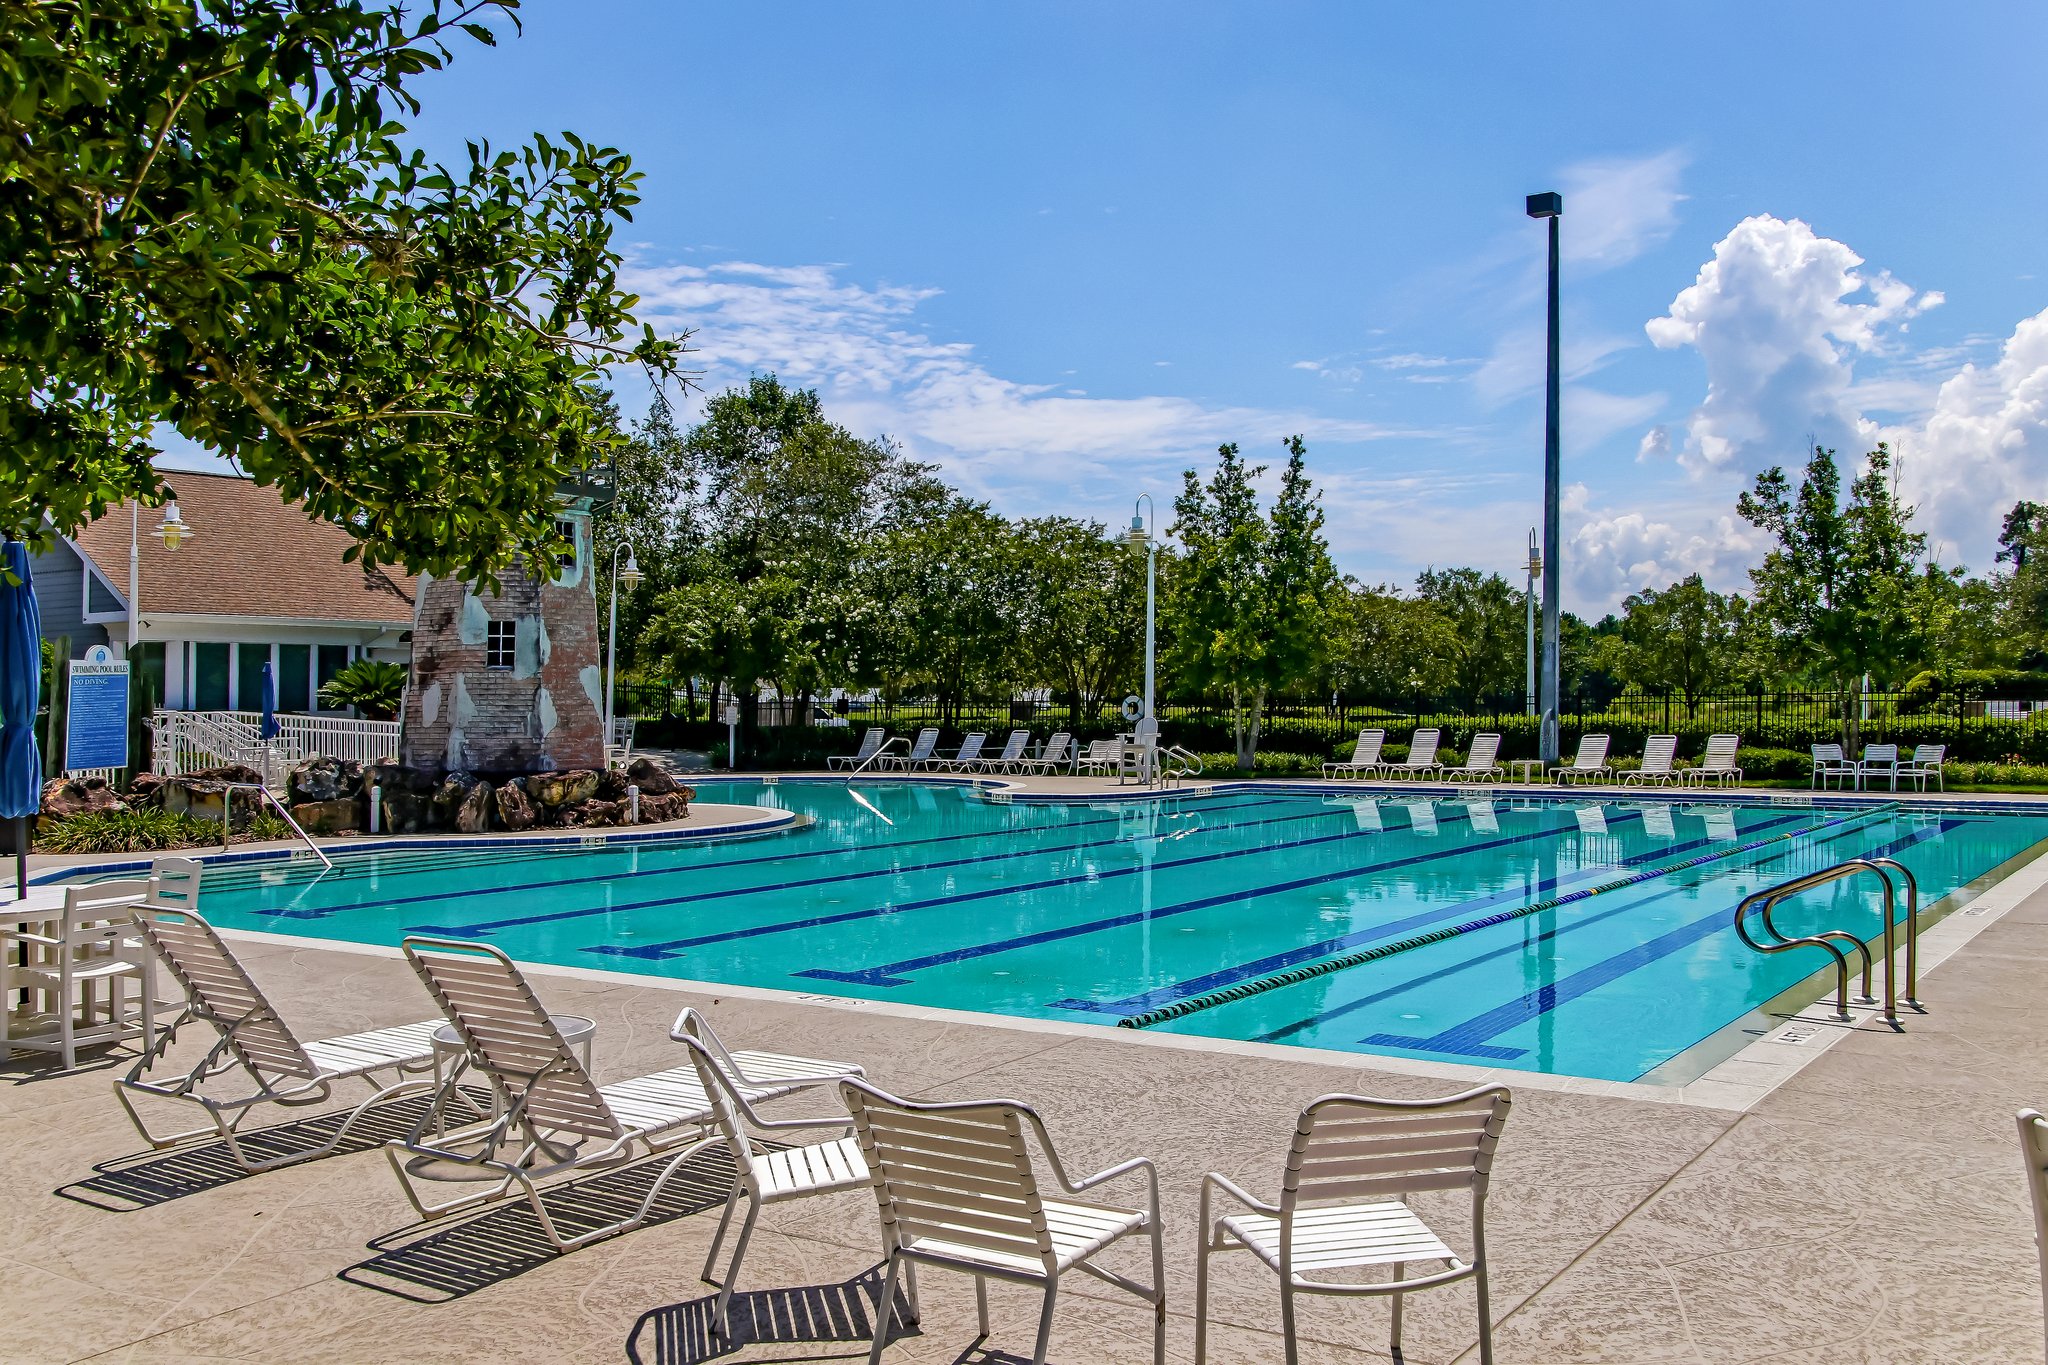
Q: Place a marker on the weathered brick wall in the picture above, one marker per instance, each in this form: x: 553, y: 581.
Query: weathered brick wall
x: 544, y: 712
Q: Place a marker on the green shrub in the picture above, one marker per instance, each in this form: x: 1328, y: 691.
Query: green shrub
x: 374, y: 687
x: 140, y: 829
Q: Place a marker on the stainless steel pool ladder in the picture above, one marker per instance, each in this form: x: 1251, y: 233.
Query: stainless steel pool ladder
x: 1763, y: 902
x: 1177, y: 764
x: 263, y: 794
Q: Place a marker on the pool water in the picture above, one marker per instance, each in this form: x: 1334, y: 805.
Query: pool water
x: 935, y: 895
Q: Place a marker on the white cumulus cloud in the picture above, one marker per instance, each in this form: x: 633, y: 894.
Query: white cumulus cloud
x: 1619, y: 207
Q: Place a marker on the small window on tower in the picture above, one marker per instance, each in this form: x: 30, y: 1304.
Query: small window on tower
x: 567, y: 531
x: 498, y: 641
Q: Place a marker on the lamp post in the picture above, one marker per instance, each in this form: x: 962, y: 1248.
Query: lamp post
x: 630, y: 576
x: 1550, y: 206
x: 173, y: 532
x: 1141, y: 534
x: 1535, y: 567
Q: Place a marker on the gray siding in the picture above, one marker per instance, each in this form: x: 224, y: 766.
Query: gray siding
x: 59, y: 577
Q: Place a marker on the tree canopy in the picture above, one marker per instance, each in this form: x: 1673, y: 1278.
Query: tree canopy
x: 209, y: 222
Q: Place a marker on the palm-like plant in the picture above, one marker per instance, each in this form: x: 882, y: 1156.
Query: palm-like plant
x: 374, y: 687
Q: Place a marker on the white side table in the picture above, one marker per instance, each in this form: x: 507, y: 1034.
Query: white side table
x: 451, y: 1060
x: 1526, y: 768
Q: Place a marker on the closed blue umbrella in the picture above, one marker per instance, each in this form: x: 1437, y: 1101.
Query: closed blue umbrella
x: 269, y: 728
x: 21, y: 685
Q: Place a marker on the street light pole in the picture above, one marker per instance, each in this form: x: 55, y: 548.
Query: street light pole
x: 631, y: 577
x: 1535, y: 567
x: 1141, y: 534
x: 1551, y: 207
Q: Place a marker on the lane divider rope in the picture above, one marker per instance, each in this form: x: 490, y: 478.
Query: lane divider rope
x: 1309, y: 971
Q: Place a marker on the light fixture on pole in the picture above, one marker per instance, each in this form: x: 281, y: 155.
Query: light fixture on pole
x: 1535, y: 568
x: 1551, y: 207
x: 173, y: 532
x: 631, y: 577
x: 1141, y: 534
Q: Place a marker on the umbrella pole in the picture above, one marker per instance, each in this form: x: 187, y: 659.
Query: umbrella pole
x: 21, y: 857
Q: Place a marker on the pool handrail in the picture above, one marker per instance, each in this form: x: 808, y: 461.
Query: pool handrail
x: 1764, y: 901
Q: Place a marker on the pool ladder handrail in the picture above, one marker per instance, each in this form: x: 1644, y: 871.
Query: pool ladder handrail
x: 1176, y: 764
x: 884, y: 747
x: 1766, y: 900
x: 227, y: 802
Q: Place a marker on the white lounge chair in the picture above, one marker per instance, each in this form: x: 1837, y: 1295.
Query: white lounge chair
x: 1925, y: 763
x: 921, y: 752
x: 1590, y: 761
x: 870, y: 744
x: 1658, y: 752
x: 1879, y: 760
x: 552, y: 1118
x: 1013, y: 752
x: 1365, y: 756
x: 2034, y: 1152
x: 81, y: 962
x: 1718, y: 766
x: 274, y: 1066
x: 1830, y: 766
x: 1421, y: 756
x: 1103, y: 758
x: 968, y: 755
x: 1481, y: 762
x: 1343, y: 1204
x: 763, y: 1173
x: 957, y: 1189
x: 1051, y: 758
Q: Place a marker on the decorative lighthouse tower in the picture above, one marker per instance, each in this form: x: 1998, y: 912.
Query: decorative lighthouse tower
x: 508, y: 682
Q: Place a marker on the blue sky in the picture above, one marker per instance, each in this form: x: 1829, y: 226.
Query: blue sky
x: 1065, y: 249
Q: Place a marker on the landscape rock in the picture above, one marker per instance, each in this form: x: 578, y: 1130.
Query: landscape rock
x: 407, y: 812
x: 145, y: 789
x: 473, y: 816
x: 515, y: 807
x: 651, y: 778
x: 200, y: 797
x: 320, y: 778
x: 562, y: 789
x: 656, y: 810
x: 397, y: 777
x: 612, y: 784
x: 453, y: 790
x: 342, y: 815
x: 593, y: 814
x: 64, y: 797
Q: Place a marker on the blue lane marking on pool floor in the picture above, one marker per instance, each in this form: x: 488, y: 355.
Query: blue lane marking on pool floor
x: 1245, y: 971
x: 892, y: 973
x: 1469, y: 1039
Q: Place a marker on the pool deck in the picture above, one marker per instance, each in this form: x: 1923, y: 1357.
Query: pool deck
x: 1867, y: 1208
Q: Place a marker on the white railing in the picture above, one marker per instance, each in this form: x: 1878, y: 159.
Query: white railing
x: 187, y: 740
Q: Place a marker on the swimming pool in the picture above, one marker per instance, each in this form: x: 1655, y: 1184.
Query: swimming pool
x: 937, y: 895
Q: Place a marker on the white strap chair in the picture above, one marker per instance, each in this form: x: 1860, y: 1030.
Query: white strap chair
x: 1102, y: 758
x: 957, y: 1189
x: 921, y: 752
x: 256, y: 1042
x: 1925, y: 763
x: 763, y: 1174
x: 2034, y: 1150
x: 551, y: 1118
x: 1365, y: 756
x: 1658, y: 753
x: 1718, y: 766
x: 1012, y: 753
x: 869, y: 744
x: 1421, y: 756
x: 79, y: 960
x: 1481, y: 761
x: 1590, y: 761
x: 967, y: 756
x: 1343, y: 1203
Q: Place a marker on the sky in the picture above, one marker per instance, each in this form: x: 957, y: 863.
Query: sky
x: 1065, y: 250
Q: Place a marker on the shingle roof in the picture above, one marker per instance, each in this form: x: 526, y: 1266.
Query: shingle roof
x: 252, y: 554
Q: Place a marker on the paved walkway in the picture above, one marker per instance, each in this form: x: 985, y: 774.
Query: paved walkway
x: 1871, y: 1209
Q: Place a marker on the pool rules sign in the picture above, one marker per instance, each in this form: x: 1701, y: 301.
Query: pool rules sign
x: 96, y: 724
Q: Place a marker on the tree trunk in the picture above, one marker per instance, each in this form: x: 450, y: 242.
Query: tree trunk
x: 1248, y: 734
x: 1852, y: 724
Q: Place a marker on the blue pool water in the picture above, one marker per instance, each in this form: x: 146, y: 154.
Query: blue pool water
x: 1103, y: 911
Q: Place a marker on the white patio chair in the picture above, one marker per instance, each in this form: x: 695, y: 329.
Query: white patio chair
x: 1051, y: 758
x: 2034, y: 1151
x: 551, y: 1118
x: 921, y: 753
x: 956, y: 1188
x: 763, y: 1174
x: 1879, y: 760
x: 1718, y: 766
x: 1481, y: 762
x: 256, y: 1044
x: 1590, y: 761
x: 1012, y: 753
x: 964, y: 758
x: 1925, y: 763
x: 1829, y: 765
x: 618, y: 745
x: 870, y: 744
x: 1103, y: 758
x: 1365, y: 756
x: 1658, y: 753
x: 80, y: 961
x: 1421, y: 756
x: 1343, y: 1204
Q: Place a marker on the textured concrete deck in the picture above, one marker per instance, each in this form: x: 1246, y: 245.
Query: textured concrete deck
x: 1870, y: 1209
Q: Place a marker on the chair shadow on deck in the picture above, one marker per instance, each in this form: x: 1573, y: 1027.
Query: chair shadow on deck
x: 437, y: 1263
x: 129, y: 1184
x: 805, y: 1315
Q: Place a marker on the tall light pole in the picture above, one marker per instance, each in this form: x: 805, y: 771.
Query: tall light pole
x: 173, y: 532
x: 1141, y: 534
x: 1550, y: 206
x: 631, y: 577
x: 1535, y: 567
